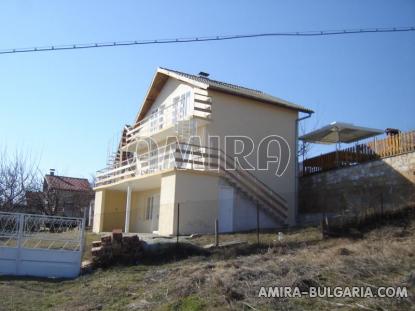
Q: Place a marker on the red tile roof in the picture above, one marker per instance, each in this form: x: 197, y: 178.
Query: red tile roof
x: 68, y: 183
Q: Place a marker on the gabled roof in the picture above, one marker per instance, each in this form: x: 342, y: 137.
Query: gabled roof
x: 162, y: 75
x: 67, y: 183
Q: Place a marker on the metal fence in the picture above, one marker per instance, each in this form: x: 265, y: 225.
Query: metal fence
x: 40, y: 245
x: 193, y: 217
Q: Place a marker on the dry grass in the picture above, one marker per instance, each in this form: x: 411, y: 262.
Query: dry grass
x: 231, y: 278
x: 89, y: 238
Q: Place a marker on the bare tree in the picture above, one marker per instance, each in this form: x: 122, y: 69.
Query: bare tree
x: 92, y: 180
x: 23, y: 189
x: 18, y: 175
x: 42, y: 200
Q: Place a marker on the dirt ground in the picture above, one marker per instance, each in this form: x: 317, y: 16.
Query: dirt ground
x: 189, y: 277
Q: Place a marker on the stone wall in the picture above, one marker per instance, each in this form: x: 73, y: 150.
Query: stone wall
x: 381, y: 185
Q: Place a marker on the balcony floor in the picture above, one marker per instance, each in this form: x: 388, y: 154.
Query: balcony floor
x: 158, y: 137
x: 138, y: 183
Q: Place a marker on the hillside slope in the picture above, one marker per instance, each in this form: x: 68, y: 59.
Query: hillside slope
x: 232, y: 278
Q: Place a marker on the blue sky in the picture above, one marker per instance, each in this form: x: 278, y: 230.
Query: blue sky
x: 65, y: 107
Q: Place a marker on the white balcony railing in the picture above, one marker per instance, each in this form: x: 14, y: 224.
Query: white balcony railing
x: 138, y: 165
x: 166, y: 116
x: 186, y: 156
x: 174, y: 155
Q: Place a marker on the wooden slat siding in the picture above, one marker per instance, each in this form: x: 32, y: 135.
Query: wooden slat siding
x: 200, y: 91
x: 405, y: 143
x: 378, y: 148
x: 409, y: 141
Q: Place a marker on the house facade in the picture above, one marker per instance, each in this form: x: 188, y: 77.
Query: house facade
x: 66, y: 196
x: 194, y: 154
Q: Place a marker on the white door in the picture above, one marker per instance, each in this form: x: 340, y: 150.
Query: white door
x: 225, y: 209
x: 156, y: 211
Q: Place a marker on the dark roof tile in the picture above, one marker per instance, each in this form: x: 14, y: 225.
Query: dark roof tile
x: 240, y: 90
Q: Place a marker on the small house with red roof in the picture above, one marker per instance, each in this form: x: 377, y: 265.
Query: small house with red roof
x: 72, y: 195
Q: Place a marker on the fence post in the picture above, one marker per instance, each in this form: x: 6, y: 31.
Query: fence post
x: 257, y: 224
x: 82, y: 240
x: 19, y: 242
x: 216, y: 232
x: 178, y: 223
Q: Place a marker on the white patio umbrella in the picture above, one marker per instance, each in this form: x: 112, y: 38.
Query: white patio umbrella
x: 339, y: 132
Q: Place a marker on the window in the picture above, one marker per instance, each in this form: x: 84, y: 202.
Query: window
x: 149, y: 209
x: 153, y: 121
x: 175, y: 109
x: 181, y: 107
x: 157, y: 119
x: 161, y: 116
x: 153, y: 160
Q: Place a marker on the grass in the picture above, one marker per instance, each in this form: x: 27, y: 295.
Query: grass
x: 190, y: 303
x: 189, y: 278
x: 89, y: 238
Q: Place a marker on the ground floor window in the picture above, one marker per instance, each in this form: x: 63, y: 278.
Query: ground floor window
x: 149, y: 208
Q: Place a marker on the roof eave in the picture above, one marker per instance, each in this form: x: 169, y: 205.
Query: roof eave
x: 182, y: 78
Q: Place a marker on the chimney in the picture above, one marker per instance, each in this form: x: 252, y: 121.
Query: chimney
x: 203, y: 74
x: 52, y: 171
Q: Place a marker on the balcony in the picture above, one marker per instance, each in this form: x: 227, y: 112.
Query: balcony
x: 157, y: 160
x: 192, y: 157
x: 163, y: 121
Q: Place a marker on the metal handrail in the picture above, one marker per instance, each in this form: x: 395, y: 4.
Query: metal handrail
x: 242, y: 170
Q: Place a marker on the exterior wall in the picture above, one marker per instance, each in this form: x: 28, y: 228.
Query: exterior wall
x: 245, y: 216
x: 114, y: 210
x: 167, y: 204
x: 197, y: 194
x: 110, y: 210
x: 171, y: 89
x: 98, y: 211
x: 138, y: 222
x: 232, y: 115
x: 389, y: 183
x: 73, y: 203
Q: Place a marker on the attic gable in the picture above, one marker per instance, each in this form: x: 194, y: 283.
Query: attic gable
x: 159, y: 80
x: 163, y: 74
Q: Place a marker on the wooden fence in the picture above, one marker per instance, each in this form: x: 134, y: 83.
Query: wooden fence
x: 376, y: 149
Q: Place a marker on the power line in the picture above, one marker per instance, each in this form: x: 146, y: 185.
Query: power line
x: 205, y: 39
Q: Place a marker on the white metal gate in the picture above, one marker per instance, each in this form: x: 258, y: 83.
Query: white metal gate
x: 40, y: 245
